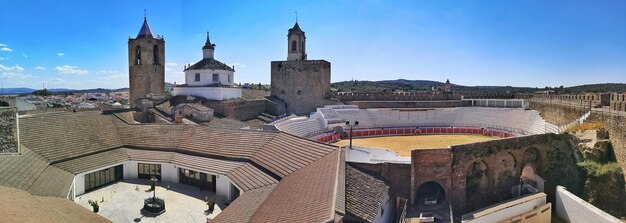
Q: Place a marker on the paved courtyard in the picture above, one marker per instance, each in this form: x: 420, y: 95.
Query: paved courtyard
x: 123, y: 202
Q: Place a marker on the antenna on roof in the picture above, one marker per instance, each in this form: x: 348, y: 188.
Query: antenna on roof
x: 296, y: 16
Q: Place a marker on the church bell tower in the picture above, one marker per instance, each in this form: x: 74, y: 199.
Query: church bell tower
x: 146, y: 65
x: 296, y: 48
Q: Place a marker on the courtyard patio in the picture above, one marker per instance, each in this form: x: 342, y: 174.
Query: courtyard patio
x: 122, y: 202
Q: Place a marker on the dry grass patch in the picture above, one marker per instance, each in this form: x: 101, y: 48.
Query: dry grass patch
x: 402, y: 145
x: 586, y: 126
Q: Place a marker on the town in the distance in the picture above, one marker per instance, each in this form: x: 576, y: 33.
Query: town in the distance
x: 303, y: 149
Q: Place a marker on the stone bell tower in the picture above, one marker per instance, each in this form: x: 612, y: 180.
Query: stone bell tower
x: 296, y: 49
x: 146, y: 65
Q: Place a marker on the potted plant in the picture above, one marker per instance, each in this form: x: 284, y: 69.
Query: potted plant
x: 211, y: 204
x: 94, y: 205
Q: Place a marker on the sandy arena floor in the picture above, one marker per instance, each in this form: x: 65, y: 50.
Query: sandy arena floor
x: 402, y: 145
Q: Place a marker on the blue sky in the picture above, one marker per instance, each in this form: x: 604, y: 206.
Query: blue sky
x: 83, y: 44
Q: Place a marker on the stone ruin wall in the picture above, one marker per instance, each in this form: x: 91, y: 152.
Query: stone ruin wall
x: 484, y: 173
x: 481, y: 174
x: 562, y: 109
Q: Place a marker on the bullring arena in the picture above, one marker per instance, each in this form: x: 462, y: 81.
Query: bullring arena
x: 444, y: 148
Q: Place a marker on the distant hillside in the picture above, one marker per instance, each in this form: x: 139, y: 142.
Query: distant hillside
x: 425, y: 85
x: 609, y: 87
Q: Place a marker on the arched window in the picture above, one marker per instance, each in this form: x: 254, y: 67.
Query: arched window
x: 294, y: 46
x: 138, y: 55
x: 155, y: 52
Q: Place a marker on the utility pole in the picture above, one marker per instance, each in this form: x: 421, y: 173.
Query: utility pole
x: 354, y: 123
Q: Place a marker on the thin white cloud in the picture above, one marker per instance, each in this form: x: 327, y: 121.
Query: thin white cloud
x: 108, y: 72
x: 39, y: 68
x: 171, y: 64
x: 6, y: 49
x: 24, y: 55
x: 60, y: 54
x: 241, y: 65
x: 113, y: 77
x: 56, y: 81
x: 1, y: 45
x: 13, y: 68
x: 4, y: 58
x: 13, y: 75
x: 67, y: 69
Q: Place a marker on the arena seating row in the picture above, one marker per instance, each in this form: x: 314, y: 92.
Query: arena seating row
x: 302, y: 126
x: 514, y: 120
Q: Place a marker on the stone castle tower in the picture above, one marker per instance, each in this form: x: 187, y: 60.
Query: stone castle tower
x: 300, y: 83
x: 146, y: 65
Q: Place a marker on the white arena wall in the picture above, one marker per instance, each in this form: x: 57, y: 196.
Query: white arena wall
x: 571, y: 208
x: 169, y: 173
x: 515, y: 120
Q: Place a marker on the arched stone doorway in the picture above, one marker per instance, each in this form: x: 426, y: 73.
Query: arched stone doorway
x: 530, y: 177
x: 430, y: 193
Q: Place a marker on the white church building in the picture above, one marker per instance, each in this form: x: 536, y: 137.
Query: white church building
x: 208, y: 78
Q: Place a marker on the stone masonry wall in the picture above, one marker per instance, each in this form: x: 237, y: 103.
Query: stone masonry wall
x: 240, y: 110
x: 558, y: 114
x: 481, y: 174
x: 8, y: 130
x: 149, y: 76
x: 301, y: 85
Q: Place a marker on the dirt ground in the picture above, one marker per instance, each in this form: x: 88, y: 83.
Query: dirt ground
x: 402, y: 145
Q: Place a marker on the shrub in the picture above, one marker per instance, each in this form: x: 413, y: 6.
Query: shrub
x: 595, y: 169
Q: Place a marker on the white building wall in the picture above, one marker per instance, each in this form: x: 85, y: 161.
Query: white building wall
x: 510, y: 211
x: 206, y: 77
x: 222, y: 187
x: 211, y: 93
x: 79, y: 179
x: 573, y: 209
x: 169, y: 172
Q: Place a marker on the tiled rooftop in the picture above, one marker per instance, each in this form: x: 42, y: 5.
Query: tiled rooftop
x: 294, y: 174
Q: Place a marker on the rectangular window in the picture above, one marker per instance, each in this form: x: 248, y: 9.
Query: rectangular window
x: 216, y: 77
x: 197, y: 77
x: 230, y: 78
x: 103, y: 177
x: 146, y: 171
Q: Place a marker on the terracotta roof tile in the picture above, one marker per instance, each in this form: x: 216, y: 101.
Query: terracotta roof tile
x: 63, y: 135
x: 53, y: 182
x: 307, y: 194
x: 21, y: 171
x: 243, y: 207
x: 223, y: 142
x: 93, y: 161
x: 20, y: 206
x: 285, y: 153
x: 248, y: 177
x: 364, y: 194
